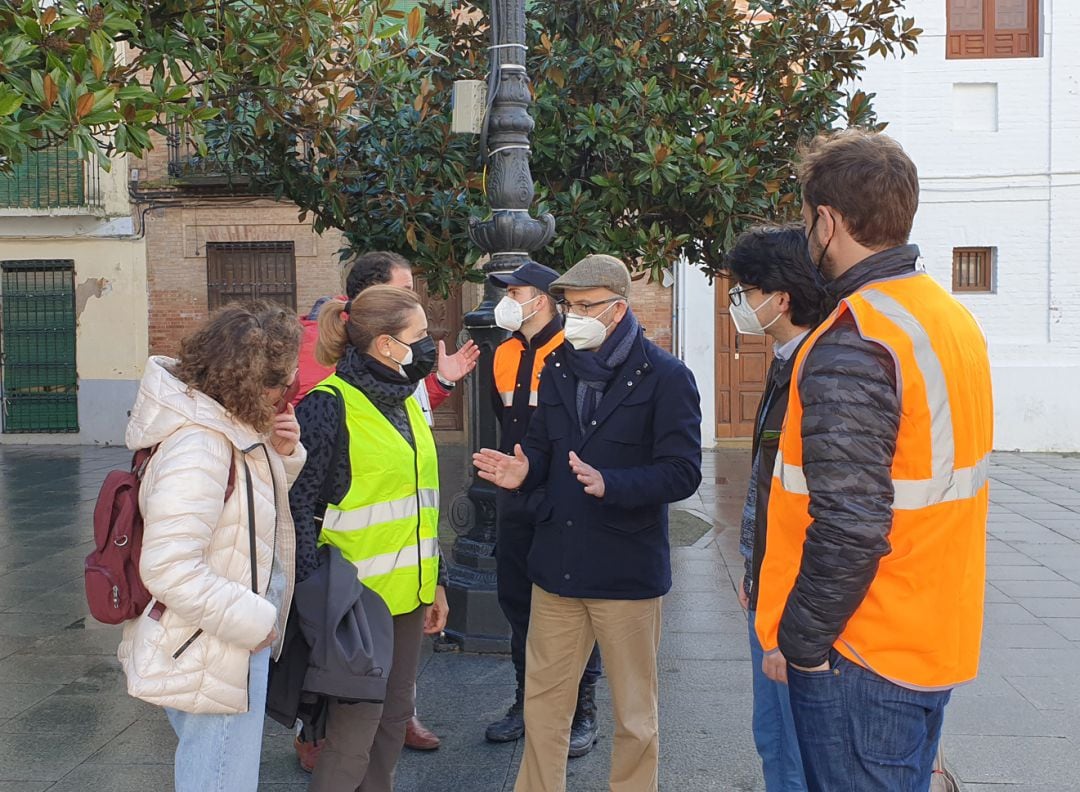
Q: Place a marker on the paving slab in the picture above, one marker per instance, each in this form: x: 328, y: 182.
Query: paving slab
x: 1051, y: 692
x: 135, y: 778
x: 1008, y: 613
x: 1041, y: 762
x: 20, y: 697
x: 1005, y: 714
x: 1000, y: 572
x: 1068, y: 628
x: 1044, y: 607
x: 1023, y: 636
x: 1051, y: 589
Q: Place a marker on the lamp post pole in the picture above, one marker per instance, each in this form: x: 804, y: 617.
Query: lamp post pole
x: 508, y: 237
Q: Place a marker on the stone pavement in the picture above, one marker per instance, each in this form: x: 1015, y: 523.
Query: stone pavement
x: 66, y: 724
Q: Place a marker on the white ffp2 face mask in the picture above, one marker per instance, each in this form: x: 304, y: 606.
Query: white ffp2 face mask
x: 746, y: 318
x: 585, y: 332
x: 509, y: 314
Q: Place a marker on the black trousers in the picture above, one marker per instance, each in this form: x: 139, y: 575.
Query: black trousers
x: 515, y: 527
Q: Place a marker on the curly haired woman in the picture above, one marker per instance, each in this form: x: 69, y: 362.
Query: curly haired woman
x: 201, y: 649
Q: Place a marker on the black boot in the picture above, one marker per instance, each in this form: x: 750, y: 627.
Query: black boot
x: 583, y: 730
x: 511, y: 726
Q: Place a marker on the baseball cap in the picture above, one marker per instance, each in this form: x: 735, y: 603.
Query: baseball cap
x: 528, y: 274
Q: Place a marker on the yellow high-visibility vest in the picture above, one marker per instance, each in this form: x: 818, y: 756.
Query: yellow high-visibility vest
x: 387, y: 523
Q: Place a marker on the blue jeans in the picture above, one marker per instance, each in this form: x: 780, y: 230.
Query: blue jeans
x: 861, y: 733
x: 221, y: 753
x: 774, y: 728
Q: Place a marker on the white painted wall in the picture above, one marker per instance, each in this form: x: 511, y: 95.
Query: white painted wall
x: 695, y: 339
x: 997, y: 143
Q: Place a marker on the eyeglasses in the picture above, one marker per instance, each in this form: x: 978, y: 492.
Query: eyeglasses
x: 583, y: 308
x: 735, y: 293
x: 288, y: 383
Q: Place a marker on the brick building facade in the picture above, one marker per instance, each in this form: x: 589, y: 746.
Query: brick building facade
x: 208, y: 242
x: 653, y: 306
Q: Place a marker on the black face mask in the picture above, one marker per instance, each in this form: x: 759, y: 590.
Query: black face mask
x: 424, y: 356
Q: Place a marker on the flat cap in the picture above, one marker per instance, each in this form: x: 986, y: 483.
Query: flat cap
x: 597, y: 271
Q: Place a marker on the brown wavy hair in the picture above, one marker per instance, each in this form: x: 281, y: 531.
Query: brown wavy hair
x: 241, y: 350
x: 868, y: 178
x: 374, y: 312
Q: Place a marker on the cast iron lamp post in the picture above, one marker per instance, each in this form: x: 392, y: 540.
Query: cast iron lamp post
x: 508, y: 236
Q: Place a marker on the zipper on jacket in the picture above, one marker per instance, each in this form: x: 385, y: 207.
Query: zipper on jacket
x: 291, y: 590
x: 184, y: 646
x: 273, y: 545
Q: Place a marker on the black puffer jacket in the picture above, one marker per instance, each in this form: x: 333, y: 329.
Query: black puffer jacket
x: 851, y: 415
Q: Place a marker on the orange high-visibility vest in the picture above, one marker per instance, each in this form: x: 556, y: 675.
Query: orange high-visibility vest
x: 508, y: 360
x: 920, y: 624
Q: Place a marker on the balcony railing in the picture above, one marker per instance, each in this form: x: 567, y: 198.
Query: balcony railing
x: 187, y: 165
x: 53, y: 178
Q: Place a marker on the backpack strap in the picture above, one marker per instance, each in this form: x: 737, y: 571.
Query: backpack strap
x: 140, y: 459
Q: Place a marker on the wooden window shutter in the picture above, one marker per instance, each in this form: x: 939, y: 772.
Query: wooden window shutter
x: 992, y: 28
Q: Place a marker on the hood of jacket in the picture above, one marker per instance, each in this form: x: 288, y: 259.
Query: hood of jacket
x: 165, y: 404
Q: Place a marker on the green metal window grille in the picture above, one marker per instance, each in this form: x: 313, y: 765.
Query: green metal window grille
x: 250, y: 271
x: 52, y: 178
x: 38, y: 344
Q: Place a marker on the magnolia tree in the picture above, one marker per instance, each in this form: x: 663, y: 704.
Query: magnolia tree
x: 104, y: 75
x: 663, y: 127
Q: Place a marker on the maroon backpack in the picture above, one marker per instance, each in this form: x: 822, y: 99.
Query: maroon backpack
x: 114, y: 590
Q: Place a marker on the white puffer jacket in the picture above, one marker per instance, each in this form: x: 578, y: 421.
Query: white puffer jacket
x: 196, y: 549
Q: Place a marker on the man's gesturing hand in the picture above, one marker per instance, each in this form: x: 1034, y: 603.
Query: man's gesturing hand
x: 453, y: 368
x: 500, y: 469
x: 588, y: 475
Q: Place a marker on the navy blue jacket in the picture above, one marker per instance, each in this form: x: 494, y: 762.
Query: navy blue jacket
x: 646, y: 442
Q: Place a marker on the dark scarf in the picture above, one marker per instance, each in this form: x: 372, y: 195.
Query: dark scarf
x: 595, y: 369
x: 387, y: 389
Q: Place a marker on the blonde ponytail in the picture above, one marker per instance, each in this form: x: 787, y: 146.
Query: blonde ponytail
x: 379, y: 310
x: 333, y: 333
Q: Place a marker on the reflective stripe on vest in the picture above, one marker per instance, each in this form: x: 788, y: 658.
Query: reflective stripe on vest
x: 920, y: 622
x: 955, y: 485
x: 508, y: 358
x: 387, y: 522
x: 367, y: 516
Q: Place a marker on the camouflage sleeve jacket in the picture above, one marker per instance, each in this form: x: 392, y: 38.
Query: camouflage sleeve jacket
x: 851, y: 414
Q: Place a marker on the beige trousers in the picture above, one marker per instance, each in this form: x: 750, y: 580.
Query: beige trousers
x: 561, y: 635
